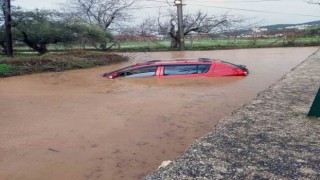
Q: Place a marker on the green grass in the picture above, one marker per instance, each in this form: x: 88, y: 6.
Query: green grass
x: 32, y: 63
x: 219, y: 43
x: 196, y: 44
x: 21, y: 55
x: 4, y: 68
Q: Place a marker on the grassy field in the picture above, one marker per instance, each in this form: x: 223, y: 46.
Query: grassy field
x: 196, y: 44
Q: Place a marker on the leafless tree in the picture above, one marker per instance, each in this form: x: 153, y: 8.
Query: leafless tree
x: 107, y: 14
x: 290, y: 36
x: 145, y: 31
x: 235, y: 27
x: 146, y: 28
x: 313, y: 2
x: 199, y: 22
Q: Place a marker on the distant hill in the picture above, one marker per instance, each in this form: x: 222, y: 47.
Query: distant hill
x: 276, y: 26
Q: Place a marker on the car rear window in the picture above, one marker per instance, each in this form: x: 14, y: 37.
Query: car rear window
x: 234, y: 65
x: 185, y: 69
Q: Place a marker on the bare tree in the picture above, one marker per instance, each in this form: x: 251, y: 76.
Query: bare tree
x: 144, y: 31
x: 146, y: 28
x: 290, y: 36
x: 199, y: 22
x: 104, y: 13
x: 235, y: 26
x: 313, y: 2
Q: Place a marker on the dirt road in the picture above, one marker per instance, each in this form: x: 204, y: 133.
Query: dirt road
x: 77, y: 125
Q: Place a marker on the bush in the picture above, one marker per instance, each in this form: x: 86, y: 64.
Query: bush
x: 57, y: 62
x: 4, y: 68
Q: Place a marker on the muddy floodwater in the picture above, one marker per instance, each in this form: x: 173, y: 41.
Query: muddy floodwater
x: 77, y: 125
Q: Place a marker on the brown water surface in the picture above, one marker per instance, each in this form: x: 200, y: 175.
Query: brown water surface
x: 77, y: 125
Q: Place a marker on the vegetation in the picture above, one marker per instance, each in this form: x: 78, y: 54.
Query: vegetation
x: 32, y: 63
x: 314, y: 2
x: 83, y: 32
x: 104, y: 14
x: 202, y: 44
x: 37, y: 29
x: 191, y: 44
x: 87, y: 25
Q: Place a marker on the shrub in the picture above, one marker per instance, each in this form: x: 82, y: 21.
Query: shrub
x: 57, y: 62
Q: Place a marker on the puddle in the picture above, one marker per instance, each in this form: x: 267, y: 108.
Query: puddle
x: 77, y: 125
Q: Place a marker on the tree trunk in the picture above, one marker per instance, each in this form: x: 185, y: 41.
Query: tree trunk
x: 235, y: 40
x: 41, y: 48
x: 174, y: 43
x: 3, y: 45
x: 174, y: 40
x: 191, y: 40
x: 103, y: 46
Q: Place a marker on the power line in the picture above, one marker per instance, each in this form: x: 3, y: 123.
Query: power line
x: 218, y: 1
x: 167, y: 2
x: 247, y: 1
x: 253, y: 10
x: 229, y: 8
x: 146, y: 7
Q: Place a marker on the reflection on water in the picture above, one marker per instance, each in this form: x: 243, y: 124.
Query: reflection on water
x: 185, y: 82
x: 77, y: 125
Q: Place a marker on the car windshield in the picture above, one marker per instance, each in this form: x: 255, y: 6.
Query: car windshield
x: 119, y: 70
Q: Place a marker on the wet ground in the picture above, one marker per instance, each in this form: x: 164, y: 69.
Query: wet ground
x: 77, y: 125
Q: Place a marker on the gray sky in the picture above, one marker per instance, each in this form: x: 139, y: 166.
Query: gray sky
x: 278, y: 11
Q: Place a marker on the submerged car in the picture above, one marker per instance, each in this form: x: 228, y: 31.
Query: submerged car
x: 180, y: 68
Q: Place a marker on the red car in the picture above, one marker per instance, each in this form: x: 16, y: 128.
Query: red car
x: 180, y: 68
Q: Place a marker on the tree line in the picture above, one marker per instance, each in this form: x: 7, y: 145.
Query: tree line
x: 93, y: 22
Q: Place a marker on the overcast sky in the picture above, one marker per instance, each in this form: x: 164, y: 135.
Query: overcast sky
x: 276, y: 11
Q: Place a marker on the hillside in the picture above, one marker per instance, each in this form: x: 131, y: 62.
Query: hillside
x: 276, y: 26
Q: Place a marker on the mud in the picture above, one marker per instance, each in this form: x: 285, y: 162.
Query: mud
x: 77, y: 125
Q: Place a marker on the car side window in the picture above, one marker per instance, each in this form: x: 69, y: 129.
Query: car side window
x: 203, y: 68
x: 180, y: 69
x: 186, y: 69
x: 141, y: 72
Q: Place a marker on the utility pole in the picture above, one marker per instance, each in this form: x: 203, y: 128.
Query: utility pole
x: 179, y: 5
x: 8, y: 23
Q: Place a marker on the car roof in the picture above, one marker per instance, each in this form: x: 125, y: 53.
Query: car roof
x: 178, y: 61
